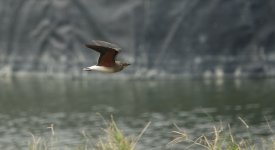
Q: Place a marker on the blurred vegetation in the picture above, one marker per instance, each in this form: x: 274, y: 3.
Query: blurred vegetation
x: 113, y: 139
x: 221, y: 138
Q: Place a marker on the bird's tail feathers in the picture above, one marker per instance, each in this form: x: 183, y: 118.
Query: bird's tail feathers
x: 87, y: 69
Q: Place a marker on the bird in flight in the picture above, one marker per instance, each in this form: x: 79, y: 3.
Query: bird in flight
x: 106, y: 61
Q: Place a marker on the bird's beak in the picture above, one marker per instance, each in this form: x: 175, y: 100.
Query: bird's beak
x: 125, y: 64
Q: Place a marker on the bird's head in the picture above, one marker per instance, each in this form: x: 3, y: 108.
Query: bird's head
x: 122, y: 64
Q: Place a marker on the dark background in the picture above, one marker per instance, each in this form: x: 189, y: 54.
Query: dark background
x: 183, y: 37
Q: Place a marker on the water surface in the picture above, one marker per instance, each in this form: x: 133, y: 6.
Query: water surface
x: 28, y: 105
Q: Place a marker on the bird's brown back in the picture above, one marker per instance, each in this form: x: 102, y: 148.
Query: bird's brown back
x: 107, y: 53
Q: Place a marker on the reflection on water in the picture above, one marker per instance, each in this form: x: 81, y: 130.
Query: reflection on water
x: 29, y: 105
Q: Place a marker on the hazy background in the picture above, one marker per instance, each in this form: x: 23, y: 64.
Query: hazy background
x: 186, y: 37
x: 160, y: 38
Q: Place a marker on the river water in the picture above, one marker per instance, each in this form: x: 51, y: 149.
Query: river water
x: 28, y: 105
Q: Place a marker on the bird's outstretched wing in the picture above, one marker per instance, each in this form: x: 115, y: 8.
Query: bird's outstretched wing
x: 107, y: 52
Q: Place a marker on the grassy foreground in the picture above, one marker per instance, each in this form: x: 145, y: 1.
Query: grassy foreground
x: 221, y: 138
x: 114, y: 139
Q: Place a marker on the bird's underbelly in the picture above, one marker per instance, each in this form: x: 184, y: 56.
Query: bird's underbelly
x: 105, y: 69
